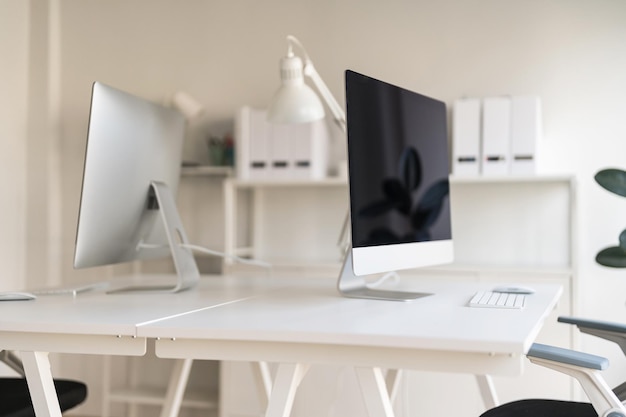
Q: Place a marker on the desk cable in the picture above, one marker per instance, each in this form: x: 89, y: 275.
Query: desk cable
x: 202, y: 249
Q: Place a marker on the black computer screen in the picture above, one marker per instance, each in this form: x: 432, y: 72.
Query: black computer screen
x: 398, y: 164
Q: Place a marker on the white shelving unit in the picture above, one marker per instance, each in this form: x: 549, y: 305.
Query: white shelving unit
x: 288, y: 212
x: 483, y: 208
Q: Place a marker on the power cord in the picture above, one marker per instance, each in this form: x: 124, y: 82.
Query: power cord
x: 380, y: 281
x: 202, y: 249
x: 236, y: 258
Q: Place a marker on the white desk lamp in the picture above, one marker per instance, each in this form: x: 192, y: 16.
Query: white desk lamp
x: 296, y: 102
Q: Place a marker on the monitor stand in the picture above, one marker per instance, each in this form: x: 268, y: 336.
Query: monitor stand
x: 184, y: 262
x: 353, y: 286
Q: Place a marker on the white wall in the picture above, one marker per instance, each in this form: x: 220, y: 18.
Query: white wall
x: 13, y: 99
x: 572, y: 53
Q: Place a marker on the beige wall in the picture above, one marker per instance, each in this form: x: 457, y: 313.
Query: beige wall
x: 13, y: 102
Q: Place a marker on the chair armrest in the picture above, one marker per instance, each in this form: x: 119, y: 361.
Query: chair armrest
x: 594, y: 324
x: 585, y: 368
x: 614, y: 332
x: 567, y: 356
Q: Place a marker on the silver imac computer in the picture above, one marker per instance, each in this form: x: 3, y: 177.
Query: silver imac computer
x: 398, y: 172
x: 131, y: 173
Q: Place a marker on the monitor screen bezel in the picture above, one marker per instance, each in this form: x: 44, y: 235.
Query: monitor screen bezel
x: 367, y: 260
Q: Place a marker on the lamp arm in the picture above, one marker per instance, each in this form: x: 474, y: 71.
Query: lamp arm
x: 339, y: 116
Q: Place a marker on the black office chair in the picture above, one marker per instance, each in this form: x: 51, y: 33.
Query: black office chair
x: 15, y: 397
x: 605, y: 402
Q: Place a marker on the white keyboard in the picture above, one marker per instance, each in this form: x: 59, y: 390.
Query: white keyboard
x: 498, y: 300
x: 71, y: 290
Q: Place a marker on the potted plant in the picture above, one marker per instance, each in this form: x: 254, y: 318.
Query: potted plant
x: 613, y: 180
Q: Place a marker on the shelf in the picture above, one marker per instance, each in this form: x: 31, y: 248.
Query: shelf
x: 338, y: 181
x: 331, y: 182
x: 502, y: 269
x: 206, y: 171
x: 332, y: 268
x: 511, y: 179
x: 148, y: 396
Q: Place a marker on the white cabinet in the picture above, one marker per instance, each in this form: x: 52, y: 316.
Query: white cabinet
x: 505, y: 230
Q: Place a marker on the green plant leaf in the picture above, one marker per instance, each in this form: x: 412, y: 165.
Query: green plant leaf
x: 613, y: 257
x: 613, y: 180
x: 622, y: 240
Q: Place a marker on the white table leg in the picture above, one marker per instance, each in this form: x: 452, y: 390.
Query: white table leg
x: 288, y: 377
x: 392, y: 380
x: 176, y: 387
x: 375, y: 392
x: 263, y: 382
x: 487, y: 391
x: 41, y: 384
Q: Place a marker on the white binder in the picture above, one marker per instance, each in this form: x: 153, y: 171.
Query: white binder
x: 466, y: 137
x: 496, y: 136
x: 309, y: 150
x: 282, y: 135
x: 279, y: 151
x: 525, y: 134
x: 252, y: 157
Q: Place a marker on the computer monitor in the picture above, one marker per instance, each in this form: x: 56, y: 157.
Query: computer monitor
x: 131, y: 173
x: 398, y: 171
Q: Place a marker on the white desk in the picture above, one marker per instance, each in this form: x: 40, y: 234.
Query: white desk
x: 294, y: 323
x: 96, y: 323
x: 305, y: 323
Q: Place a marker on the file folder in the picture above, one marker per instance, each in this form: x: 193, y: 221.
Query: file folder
x: 279, y: 151
x: 525, y: 134
x: 309, y: 150
x: 252, y: 134
x: 466, y: 159
x: 496, y: 136
x: 280, y: 140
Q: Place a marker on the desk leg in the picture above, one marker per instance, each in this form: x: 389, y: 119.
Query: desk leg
x: 176, y: 387
x: 263, y: 381
x: 375, y: 391
x: 288, y: 377
x: 393, y: 378
x: 487, y: 391
x: 41, y: 384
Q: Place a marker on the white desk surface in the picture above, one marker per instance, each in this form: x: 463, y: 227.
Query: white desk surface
x: 294, y: 322
x: 303, y: 320
x: 80, y: 324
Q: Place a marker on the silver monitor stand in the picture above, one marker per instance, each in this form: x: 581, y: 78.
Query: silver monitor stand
x: 184, y: 262
x: 353, y: 286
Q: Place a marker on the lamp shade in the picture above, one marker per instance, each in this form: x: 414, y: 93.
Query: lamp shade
x: 294, y: 102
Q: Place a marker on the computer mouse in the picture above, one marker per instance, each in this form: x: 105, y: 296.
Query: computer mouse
x: 514, y: 289
x: 16, y: 296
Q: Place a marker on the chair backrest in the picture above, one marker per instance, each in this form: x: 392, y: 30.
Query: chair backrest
x: 15, y: 398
